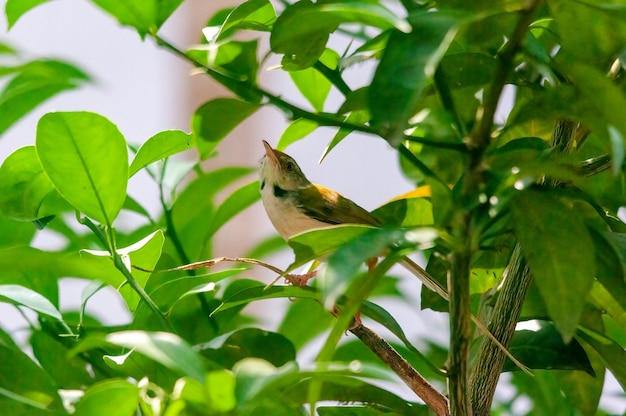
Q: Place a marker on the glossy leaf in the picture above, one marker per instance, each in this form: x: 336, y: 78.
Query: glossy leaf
x: 160, y: 146
x: 69, y: 146
x: 544, y: 349
x: 24, y: 186
x: 300, y: 34
x: 252, y: 342
x: 312, y: 84
x: 163, y: 347
x: 146, y: 16
x: 215, y: 119
x: 297, y: 130
x: 15, y: 233
x: 113, y: 396
x: 408, y: 63
x: 36, y: 82
x: 612, y: 354
x: 559, y: 264
x: 344, y: 264
x: 250, y: 15
x: 259, y: 292
x: 24, y: 296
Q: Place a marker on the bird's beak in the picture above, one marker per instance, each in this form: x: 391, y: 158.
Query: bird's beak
x: 270, y: 153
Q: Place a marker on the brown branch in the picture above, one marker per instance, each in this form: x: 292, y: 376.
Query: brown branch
x: 463, y: 222
x: 418, y: 384
x: 436, y: 401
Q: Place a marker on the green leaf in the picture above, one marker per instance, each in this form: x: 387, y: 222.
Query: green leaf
x: 36, y: 82
x: 407, y: 65
x: 20, y: 295
x: 612, y: 354
x: 367, y: 13
x: 544, y: 349
x: 163, y: 347
x: 14, y: 233
x: 408, y: 212
x: 236, y: 202
x: 251, y: 15
x: 344, y: 264
x: 71, y: 147
x: 260, y: 292
x: 215, y: 119
x: 160, y: 146
x: 297, y: 130
x: 312, y: 84
x: 305, y: 319
x: 24, y: 186
x: 561, y: 264
x: 355, y: 117
x: 318, y: 243
x: 14, y: 9
x: 33, y: 392
x: 604, y: 25
x: 193, y: 210
x: 112, y: 396
x: 146, y: 16
x: 252, y: 342
x: 300, y: 33
x: 52, y: 355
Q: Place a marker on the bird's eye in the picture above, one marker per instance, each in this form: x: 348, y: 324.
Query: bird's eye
x: 289, y: 166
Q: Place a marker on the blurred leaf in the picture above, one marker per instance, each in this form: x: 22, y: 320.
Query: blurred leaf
x: 603, y: 25
x: 112, y: 396
x: 409, y: 212
x: 259, y: 292
x: 318, y: 243
x: 193, y: 210
x: 305, y: 319
x: 160, y: 146
x: 344, y: 263
x: 14, y: 233
x: 70, y: 147
x: 33, y: 392
x: 215, y: 119
x: 14, y: 9
x: 462, y: 70
x: 355, y: 117
x: 36, y: 82
x: 236, y: 202
x: 252, y: 343
x: 559, y: 263
x: 612, y: 354
x: 297, y: 130
x: 408, y: 63
x: 237, y: 60
x: 68, y: 372
x: 146, y: 16
x: 544, y: 349
x: 312, y: 84
x: 163, y: 347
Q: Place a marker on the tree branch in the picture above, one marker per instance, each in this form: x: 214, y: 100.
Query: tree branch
x: 463, y: 222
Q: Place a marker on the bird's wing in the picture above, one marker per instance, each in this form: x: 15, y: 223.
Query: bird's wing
x: 333, y: 208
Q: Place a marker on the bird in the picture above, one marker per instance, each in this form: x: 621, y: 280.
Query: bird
x: 295, y: 205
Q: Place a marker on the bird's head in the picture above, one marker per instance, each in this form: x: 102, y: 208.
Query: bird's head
x: 279, y: 169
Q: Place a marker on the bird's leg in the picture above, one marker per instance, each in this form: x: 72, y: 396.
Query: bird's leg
x: 356, y: 319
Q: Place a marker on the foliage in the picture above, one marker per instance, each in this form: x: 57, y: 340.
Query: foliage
x: 486, y: 187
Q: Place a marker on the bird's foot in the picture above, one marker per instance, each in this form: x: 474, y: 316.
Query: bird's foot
x: 300, y: 279
x: 356, y: 319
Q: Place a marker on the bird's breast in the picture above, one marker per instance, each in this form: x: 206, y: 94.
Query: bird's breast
x: 285, y: 215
